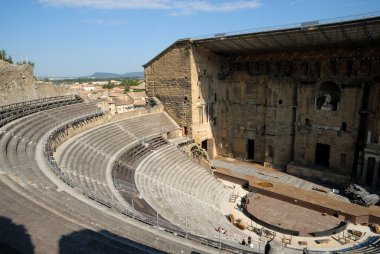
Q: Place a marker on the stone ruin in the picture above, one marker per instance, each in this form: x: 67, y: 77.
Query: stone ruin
x: 358, y: 195
x: 18, y: 84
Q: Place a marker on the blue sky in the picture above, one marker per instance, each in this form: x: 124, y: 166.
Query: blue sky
x: 80, y: 37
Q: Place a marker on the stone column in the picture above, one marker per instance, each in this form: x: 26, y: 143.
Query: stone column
x: 364, y: 170
x: 375, y: 173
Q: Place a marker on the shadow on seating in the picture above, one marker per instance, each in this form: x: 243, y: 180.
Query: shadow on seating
x: 14, y: 238
x: 88, y: 241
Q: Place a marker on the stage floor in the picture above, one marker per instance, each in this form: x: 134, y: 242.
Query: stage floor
x: 290, y: 216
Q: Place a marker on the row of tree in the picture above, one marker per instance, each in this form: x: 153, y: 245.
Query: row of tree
x: 7, y: 58
x: 127, y: 83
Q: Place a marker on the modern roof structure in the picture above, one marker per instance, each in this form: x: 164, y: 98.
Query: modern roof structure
x: 356, y: 33
x: 352, y: 33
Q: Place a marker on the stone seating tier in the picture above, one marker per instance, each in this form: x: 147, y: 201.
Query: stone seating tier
x: 85, y: 157
x: 9, y: 113
x: 20, y: 142
x: 171, y: 183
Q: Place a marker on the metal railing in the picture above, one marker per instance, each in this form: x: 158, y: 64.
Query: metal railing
x: 37, y: 101
x: 11, y: 112
x: 122, y: 185
x: 289, y: 26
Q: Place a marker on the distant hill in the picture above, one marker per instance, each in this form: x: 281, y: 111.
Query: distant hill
x: 105, y: 75
x: 97, y: 76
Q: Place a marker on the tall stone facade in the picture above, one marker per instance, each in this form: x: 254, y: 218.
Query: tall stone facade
x: 304, y: 110
x: 173, y: 83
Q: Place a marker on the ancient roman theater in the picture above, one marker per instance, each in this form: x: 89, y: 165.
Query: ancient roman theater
x: 246, y: 144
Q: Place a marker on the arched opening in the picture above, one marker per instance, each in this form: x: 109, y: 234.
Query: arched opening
x: 184, y: 131
x: 344, y: 126
x: 328, y: 97
x: 307, y: 122
x: 270, y: 151
x: 204, y: 144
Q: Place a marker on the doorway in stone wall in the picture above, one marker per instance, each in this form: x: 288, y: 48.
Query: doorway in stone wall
x: 204, y: 144
x: 184, y: 131
x: 322, y: 155
x: 251, y: 149
x: 370, y: 169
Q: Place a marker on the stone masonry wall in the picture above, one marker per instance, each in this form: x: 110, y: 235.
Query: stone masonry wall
x: 311, y: 108
x: 204, y: 67
x: 17, y: 84
x: 169, y: 79
x: 274, y: 103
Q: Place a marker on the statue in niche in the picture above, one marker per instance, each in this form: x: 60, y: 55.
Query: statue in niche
x: 324, y: 102
x: 328, y: 97
x: 327, y: 102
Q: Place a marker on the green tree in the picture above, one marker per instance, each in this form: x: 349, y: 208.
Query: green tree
x: 109, y: 85
x: 4, y: 57
x: 26, y: 62
x: 128, y: 83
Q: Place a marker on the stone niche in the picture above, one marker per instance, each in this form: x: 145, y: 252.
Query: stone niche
x: 328, y: 97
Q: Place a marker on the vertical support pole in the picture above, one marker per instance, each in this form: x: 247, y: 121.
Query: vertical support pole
x: 220, y: 242
x: 133, y: 209
x: 260, y: 241
x: 186, y: 228
x: 157, y: 218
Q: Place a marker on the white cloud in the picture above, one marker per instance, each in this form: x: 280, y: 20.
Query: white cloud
x: 177, y: 7
x: 103, y: 22
x: 109, y: 4
x: 190, y: 7
x: 296, y: 2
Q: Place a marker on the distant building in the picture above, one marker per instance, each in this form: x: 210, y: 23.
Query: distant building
x: 138, y: 98
x: 88, y: 88
x: 119, y: 105
x: 138, y: 88
x: 116, y: 92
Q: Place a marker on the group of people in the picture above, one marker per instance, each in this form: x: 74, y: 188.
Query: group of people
x: 221, y: 230
x: 248, y: 243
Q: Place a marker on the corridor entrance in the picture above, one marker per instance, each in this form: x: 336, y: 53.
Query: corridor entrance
x: 322, y: 155
x: 251, y: 149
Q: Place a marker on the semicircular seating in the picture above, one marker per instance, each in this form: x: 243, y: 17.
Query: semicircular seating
x: 371, y: 245
x: 183, y: 192
x: 20, y: 170
x: 35, y: 201
x: 84, y: 158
